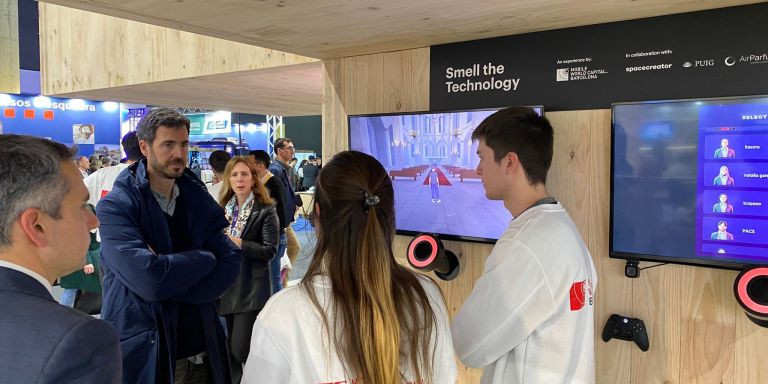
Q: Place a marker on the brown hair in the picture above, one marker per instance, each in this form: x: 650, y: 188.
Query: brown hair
x: 522, y: 131
x: 259, y: 191
x: 380, y: 311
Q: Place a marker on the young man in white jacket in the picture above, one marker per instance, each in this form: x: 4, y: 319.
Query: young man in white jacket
x: 530, y: 316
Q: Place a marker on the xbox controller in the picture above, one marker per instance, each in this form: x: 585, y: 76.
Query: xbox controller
x: 626, y: 328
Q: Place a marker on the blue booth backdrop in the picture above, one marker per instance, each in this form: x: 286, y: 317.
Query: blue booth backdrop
x: 56, y: 119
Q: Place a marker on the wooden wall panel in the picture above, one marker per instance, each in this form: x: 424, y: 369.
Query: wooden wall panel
x: 332, y: 28
x: 698, y: 333
x: 579, y: 179
x: 9, y: 47
x: 83, y: 51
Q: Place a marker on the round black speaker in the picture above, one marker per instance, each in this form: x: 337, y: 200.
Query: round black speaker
x: 751, y: 290
x: 426, y: 253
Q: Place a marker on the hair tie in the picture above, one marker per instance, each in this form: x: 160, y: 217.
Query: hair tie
x: 369, y: 201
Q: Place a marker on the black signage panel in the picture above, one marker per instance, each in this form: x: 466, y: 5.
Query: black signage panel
x: 722, y: 52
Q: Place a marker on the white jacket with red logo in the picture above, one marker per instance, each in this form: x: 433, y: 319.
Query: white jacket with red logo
x: 530, y: 316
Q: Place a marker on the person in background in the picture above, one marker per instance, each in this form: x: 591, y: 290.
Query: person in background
x: 106, y: 162
x: 218, y: 161
x: 94, y: 166
x: 319, y: 162
x: 82, y: 288
x: 100, y: 182
x: 357, y: 316
x: 253, y: 226
x: 530, y: 316
x: 83, y: 165
x: 262, y: 163
x: 294, y: 173
x: 166, y: 262
x: 284, y: 152
x: 44, y: 234
x: 300, y: 175
x: 310, y: 174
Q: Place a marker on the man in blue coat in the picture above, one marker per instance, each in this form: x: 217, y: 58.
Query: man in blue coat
x: 44, y: 234
x: 166, y: 261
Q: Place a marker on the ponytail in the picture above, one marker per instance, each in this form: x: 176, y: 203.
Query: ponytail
x: 379, y: 317
x: 379, y: 330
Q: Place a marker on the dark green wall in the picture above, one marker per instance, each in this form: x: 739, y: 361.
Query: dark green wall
x: 306, y: 132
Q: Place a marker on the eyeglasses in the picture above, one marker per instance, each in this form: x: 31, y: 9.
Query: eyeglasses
x: 291, y: 148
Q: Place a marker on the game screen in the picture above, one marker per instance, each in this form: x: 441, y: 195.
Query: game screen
x: 431, y: 160
x: 690, y: 181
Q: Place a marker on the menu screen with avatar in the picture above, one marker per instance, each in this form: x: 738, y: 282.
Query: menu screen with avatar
x: 690, y: 181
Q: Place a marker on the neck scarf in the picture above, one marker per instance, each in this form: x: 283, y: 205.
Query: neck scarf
x: 238, y: 216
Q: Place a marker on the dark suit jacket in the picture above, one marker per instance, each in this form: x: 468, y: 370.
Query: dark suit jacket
x: 45, y: 342
x: 253, y: 287
x: 276, y: 192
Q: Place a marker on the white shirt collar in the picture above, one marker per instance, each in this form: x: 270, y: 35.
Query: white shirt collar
x: 28, y: 272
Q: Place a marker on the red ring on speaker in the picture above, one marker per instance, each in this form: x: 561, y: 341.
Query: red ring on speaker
x: 741, y: 290
x: 419, y: 239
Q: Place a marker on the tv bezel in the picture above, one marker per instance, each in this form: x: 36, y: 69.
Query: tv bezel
x: 442, y: 236
x: 691, y: 261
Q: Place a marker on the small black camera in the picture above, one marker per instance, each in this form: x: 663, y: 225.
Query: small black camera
x: 631, y: 269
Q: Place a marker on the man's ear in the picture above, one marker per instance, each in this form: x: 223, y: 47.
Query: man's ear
x: 513, y: 163
x: 33, y: 227
x: 144, y: 146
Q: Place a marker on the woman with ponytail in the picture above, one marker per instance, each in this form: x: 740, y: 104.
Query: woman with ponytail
x: 357, y: 316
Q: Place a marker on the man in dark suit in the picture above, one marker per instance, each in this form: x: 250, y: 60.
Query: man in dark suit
x: 44, y: 234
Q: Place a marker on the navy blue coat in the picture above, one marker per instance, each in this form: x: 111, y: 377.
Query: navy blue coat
x: 142, y: 287
x: 43, y: 342
x: 291, y: 200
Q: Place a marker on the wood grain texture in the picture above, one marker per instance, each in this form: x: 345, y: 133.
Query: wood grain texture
x: 333, y: 28
x: 86, y: 51
x: 10, y: 81
x: 579, y: 179
x: 288, y: 90
x: 698, y: 334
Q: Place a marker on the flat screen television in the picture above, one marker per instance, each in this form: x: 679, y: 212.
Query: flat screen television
x: 689, y: 181
x: 431, y: 160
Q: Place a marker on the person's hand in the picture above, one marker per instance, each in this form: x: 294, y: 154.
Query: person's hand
x: 238, y: 241
x: 88, y: 269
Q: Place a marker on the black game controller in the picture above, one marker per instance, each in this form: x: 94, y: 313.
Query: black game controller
x: 626, y: 328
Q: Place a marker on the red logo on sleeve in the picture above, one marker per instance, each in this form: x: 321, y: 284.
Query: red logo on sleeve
x: 581, y: 293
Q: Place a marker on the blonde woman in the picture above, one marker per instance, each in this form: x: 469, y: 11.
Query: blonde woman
x: 252, y: 227
x: 357, y: 316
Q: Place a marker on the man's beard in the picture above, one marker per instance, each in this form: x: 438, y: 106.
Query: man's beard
x: 165, y: 170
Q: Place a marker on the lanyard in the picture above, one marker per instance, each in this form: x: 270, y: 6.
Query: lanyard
x: 235, y: 214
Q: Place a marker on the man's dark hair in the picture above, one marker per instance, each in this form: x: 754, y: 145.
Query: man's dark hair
x: 522, y: 131
x: 131, y: 147
x: 218, y: 160
x: 106, y: 161
x: 282, y: 142
x: 261, y: 156
x: 157, y: 117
